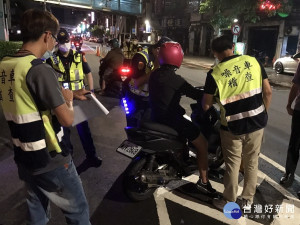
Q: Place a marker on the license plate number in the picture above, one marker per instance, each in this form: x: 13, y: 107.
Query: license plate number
x: 129, y: 149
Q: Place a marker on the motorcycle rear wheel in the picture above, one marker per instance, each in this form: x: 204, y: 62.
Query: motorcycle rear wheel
x: 134, y: 188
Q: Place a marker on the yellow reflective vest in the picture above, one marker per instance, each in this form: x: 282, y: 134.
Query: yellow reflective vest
x: 239, y: 82
x: 128, y: 50
x: 75, y: 77
x: 144, y: 89
x: 34, y: 132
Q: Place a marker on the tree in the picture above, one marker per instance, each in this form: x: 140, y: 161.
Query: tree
x: 224, y: 11
x: 97, y: 31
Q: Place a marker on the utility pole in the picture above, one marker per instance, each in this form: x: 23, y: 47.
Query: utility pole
x: 4, y: 35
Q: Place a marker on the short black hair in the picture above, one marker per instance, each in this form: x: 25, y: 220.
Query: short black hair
x: 35, y: 22
x: 222, y: 43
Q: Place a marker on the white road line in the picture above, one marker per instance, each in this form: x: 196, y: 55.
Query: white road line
x: 200, y: 208
x: 282, y: 190
x: 162, y: 211
x: 278, y: 166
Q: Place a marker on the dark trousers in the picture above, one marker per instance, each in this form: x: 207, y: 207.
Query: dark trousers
x: 294, y: 145
x: 85, y: 138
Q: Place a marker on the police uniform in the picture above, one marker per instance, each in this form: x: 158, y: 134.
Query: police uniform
x: 138, y: 97
x: 236, y: 82
x: 71, y: 71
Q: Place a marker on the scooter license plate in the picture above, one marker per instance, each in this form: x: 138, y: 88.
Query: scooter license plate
x: 129, y: 149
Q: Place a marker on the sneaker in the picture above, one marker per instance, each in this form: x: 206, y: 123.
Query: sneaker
x: 205, y: 188
x: 287, y: 178
x: 219, y: 203
x: 95, y: 161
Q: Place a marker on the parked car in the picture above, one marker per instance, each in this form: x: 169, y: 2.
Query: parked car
x: 93, y: 39
x: 287, y: 64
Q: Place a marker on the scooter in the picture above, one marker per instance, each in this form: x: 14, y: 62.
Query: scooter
x: 159, y: 155
x: 113, y: 84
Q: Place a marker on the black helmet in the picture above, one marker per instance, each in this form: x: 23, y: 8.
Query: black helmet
x: 114, y: 43
x: 63, y: 36
x: 161, y: 41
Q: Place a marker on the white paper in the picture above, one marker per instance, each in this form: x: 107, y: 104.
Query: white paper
x: 87, y: 109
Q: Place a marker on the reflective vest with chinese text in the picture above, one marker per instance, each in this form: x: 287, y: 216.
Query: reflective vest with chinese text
x: 239, y: 82
x: 35, y: 132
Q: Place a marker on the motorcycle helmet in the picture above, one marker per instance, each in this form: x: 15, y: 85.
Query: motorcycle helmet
x: 115, y: 43
x: 63, y: 36
x: 170, y: 53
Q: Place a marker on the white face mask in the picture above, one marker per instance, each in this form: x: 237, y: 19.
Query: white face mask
x: 47, y: 55
x: 64, y: 47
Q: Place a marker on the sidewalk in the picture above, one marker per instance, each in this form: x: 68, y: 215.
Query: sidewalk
x: 279, y: 80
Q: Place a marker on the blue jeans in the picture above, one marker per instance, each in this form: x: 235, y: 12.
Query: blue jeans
x: 61, y: 186
x: 85, y: 138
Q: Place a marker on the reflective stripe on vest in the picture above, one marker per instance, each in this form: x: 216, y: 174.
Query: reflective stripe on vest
x: 239, y: 82
x: 76, y: 75
x: 29, y: 126
x: 149, y: 64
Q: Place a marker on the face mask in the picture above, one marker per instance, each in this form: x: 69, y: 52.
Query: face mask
x: 47, y: 55
x: 64, y: 47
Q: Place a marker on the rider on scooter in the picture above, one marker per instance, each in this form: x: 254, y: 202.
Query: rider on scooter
x: 109, y: 64
x: 135, y: 88
x: 165, y: 91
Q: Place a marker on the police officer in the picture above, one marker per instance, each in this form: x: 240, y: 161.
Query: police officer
x: 110, y: 63
x: 135, y: 88
x: 134, y: 46
x: 127, y: 47
x: 241, y: 87
x: 35, y: 107
x: 72, y: 67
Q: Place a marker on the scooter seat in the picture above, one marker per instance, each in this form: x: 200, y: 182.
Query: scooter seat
x: 159, y: 127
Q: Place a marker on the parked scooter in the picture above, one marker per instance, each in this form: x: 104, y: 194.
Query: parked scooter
x: 159, y: 155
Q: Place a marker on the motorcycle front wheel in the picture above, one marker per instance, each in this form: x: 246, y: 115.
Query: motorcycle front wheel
x: 134, y: 188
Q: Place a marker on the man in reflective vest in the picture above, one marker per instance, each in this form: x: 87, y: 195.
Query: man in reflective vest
x: 71, y: 67
x: 241, y: 88
x: 136, y: 88
x: 127, y: 47
x: 35, y: 107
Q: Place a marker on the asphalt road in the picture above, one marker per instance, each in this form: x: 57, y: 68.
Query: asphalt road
x: 103, y: 186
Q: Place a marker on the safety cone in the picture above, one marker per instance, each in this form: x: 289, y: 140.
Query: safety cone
x: 98, y: 51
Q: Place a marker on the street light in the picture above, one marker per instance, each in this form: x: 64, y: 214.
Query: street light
x: 235, y: 20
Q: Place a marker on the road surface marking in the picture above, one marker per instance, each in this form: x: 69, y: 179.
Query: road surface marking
x: 162, y: 193
x: 284, y: 191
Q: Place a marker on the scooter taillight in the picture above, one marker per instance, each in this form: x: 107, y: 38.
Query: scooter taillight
x: 125, y: 71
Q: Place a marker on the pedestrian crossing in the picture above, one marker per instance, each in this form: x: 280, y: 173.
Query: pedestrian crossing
x: 278, y: 216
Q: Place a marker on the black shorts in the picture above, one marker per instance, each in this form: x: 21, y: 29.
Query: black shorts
x: 185, y: 128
